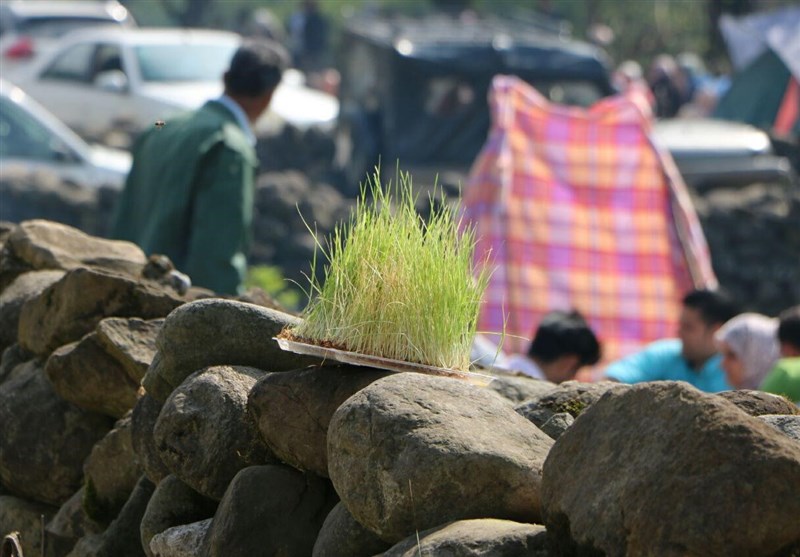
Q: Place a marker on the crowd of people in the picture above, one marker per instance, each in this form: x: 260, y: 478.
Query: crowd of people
x: 717, y: 348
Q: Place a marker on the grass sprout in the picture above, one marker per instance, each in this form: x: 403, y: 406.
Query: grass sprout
x: 396, y: 286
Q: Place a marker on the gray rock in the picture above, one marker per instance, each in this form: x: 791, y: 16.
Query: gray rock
x: 130, y: 341
x: 173, y: 503
x: 73, y: 306
x: 143, y: 421
x: 50, y: 245
x: 790, y: 425
x: 518, y: 388
x: 121, y: 538
x: 482, y: 537
x: 14, y: 360
x: 110, y: 473
x: 68, y: 525
x: 693, y: 476
x: 342, y: 536
x: 22, y: 289
x: 181, y: 541
x: 412, y: 451
x: 204, y: 434
x: 218, y: 332
x: 84, y: 374
x: 270, y: 510
x: 24, y: 517
x: 293, y: 410
x: 758, y: 403
x: 558, y: 424
x: 572, y: 397
x: 45, y: 439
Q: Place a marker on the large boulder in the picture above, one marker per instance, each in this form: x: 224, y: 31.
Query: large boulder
x: 84, y: 374
x: 23, y: 288
x: 73, y: 306
x: 412, y: 451
x: 50, y: 245
x: 15, y: 360
x: 204, y: 434
x: 173, y: 503
x: 293, y: 410
x: 273, y: 511
x: 693, y: 476
x: 218, y: 332
x: 130, y: 341
x: 342, y: 535
x: 482, y: 537
x: 45, y: 439
x: 110, y: 473
x: 143, y: 422
x: 518, y: 388
x: 759, y: 403
x: 24, y: 517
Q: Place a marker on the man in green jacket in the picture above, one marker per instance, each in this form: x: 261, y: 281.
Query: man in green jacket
x: 189, y: 194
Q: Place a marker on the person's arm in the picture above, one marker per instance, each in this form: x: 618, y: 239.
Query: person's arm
x: 221, y: 221
x: 641, y: 366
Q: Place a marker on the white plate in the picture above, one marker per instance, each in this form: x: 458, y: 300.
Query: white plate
x: 388, y: 364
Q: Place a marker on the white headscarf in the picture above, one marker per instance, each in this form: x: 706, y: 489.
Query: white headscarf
x: 754, y: 339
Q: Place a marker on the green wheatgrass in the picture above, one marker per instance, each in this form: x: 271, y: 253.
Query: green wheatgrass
x: 396, y: 286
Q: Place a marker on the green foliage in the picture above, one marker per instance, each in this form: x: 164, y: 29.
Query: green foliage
x: 270, y: 279
x: 398, y: 287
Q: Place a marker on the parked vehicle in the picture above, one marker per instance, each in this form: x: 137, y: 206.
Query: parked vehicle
x: 126, y: 79
x: 34, y: 142
x: 29, y: 28
x: 415, y: 89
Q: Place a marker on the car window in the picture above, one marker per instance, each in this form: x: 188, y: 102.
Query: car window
x: 576, y: 93
x: 107, y: 57
x: 53, y: 27
x: 184, y: 62
x: 22, y: 136
x: 75, y: 64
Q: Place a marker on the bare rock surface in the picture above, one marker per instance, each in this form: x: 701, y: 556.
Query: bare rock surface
x: 413, y: 451
x: 173, y: 504
x: 131, y: 341
x: 143, y: 421
x: 518, y: 388
x: 185, y: 540
x: 45, y: 439
x: 68, y: 525
x: 23, y: 288
x: 24, y: 517
x: 789, y: 425
x: 758, y: 403
x: 84, y: 374
x: 293, y: 410
x: 73, y: 306
x: 572, y: 397
x: 664, y: 469
x: 270, y: 510
x: 218, y: 332
x: 482, y: 537
x: 204, y: 434
x: 342, y: 535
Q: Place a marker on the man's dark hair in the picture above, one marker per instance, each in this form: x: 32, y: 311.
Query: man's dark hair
x: 714, y: 306
x: 789, y: 327
x: 256, y: 68
x: 564, y: 333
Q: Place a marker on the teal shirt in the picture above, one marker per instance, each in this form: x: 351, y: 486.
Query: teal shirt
x: 189, y: 195
x: 662, y: 360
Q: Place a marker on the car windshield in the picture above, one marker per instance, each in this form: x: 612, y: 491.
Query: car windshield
x: 57, y: 26
x: 184, y: 62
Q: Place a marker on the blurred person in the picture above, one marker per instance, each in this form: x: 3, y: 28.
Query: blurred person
x: 308, y: 37
x: 189, y: 194
x: 662, y: 76
x: 562, y: 344
x: 749, y: 347
x: 692, y: 357
x: 784, y: 379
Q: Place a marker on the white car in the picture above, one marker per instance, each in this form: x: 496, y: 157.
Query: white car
x: 29, y: 28
x: 127, y: 79
x: 35, y: 143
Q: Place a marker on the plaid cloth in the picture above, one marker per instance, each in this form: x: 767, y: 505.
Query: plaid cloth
x: 576, y: 208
